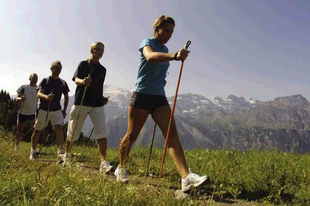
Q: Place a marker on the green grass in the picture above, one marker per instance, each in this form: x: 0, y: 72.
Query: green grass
x: 243, y: 178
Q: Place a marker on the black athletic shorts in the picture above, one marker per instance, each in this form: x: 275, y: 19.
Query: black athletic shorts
x: 147, y: 101
x: 22, y: 118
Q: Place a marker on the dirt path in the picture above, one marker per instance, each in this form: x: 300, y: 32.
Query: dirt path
x: 203, y: 195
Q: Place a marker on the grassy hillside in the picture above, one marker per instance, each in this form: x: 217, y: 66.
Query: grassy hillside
x: 237, y: 178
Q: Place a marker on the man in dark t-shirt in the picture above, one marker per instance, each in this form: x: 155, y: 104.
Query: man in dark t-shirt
x: 89, y: 78
x: 50, y: 91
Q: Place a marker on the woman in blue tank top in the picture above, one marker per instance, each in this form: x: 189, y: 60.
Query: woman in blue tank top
x: 149, y: 98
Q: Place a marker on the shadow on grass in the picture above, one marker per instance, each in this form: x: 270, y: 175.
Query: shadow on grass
x: 207, y: 191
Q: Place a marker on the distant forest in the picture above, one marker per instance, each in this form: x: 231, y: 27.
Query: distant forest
x: 8, y: 117
x: 8, y: 111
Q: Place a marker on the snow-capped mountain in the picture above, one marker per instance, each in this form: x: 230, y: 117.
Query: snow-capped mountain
x: 117, y: 95
x: 194, y: 103
x: 118, y: 101
x: 231, y: 123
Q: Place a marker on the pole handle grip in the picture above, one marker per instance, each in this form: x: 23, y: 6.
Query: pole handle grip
x: 187, y: 45
x: 89, y: 75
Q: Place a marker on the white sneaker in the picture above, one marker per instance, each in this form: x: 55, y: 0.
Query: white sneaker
x: 192, y: 180
x: 33, y: 155
x: 105, y: 167
x: 60, y: 154
x: 67, y: 159
x: 121, y: 174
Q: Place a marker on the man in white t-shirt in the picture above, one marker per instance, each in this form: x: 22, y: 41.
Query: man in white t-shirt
x: 27, y: 96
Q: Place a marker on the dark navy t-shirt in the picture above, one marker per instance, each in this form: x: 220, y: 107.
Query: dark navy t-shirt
x: 58, y: 86
x: 93, y: 96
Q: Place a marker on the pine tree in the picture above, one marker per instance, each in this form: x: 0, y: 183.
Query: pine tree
x: 8, y: 111
x: 10, y: 120
x: 1, y: 95
x: 2, y: 107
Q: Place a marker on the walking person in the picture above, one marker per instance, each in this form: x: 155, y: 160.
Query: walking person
x: 89, y: 78
x: 149, y: 99
x: 27, y: 96
x: 50, y: 91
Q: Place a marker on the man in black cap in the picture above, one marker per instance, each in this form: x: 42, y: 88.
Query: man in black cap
x: 50, y: 92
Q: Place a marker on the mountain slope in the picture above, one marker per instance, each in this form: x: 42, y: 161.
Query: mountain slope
x: 237, y: 123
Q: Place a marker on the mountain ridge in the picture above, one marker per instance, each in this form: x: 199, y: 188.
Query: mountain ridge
x: 234, y: 122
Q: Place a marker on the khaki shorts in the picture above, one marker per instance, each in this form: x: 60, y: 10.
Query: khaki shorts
x: 55, y: 117
x: 75, y: 122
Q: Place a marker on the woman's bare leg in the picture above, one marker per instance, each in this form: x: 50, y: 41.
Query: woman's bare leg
x: 161, y: 116
x: 136, y: 120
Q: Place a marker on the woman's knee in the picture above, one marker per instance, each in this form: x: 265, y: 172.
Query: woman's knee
x: 173, y: 132
x: 173, y: 139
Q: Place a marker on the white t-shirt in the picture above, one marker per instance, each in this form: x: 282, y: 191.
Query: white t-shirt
x: 30, y: 103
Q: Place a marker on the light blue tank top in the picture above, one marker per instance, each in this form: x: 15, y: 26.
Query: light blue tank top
x: 151, y: 76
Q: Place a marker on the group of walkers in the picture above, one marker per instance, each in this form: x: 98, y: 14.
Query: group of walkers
x: 148, y: 99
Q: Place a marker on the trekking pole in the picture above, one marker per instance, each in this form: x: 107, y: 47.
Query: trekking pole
x: 19, y: 113
x: 24, y: 134
x: 80, y: 108
x: 81, y: 104
x: 47, y: 143
x: 148, y: 163
x: 90, y: 134
x: 44, y: 128
x: 85, y: 146
x: 171, y: 116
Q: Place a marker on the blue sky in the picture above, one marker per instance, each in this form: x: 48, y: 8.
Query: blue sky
x: 258, y: 49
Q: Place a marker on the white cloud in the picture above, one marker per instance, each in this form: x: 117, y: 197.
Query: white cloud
x: 11, y: 79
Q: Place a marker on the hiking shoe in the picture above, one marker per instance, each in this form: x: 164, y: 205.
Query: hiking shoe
x: 67, y: 159
x: 60, y: 154
x: 121, y: 174
x: 105, y: 167
x: 33, y: 155
x: 192, y: 180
